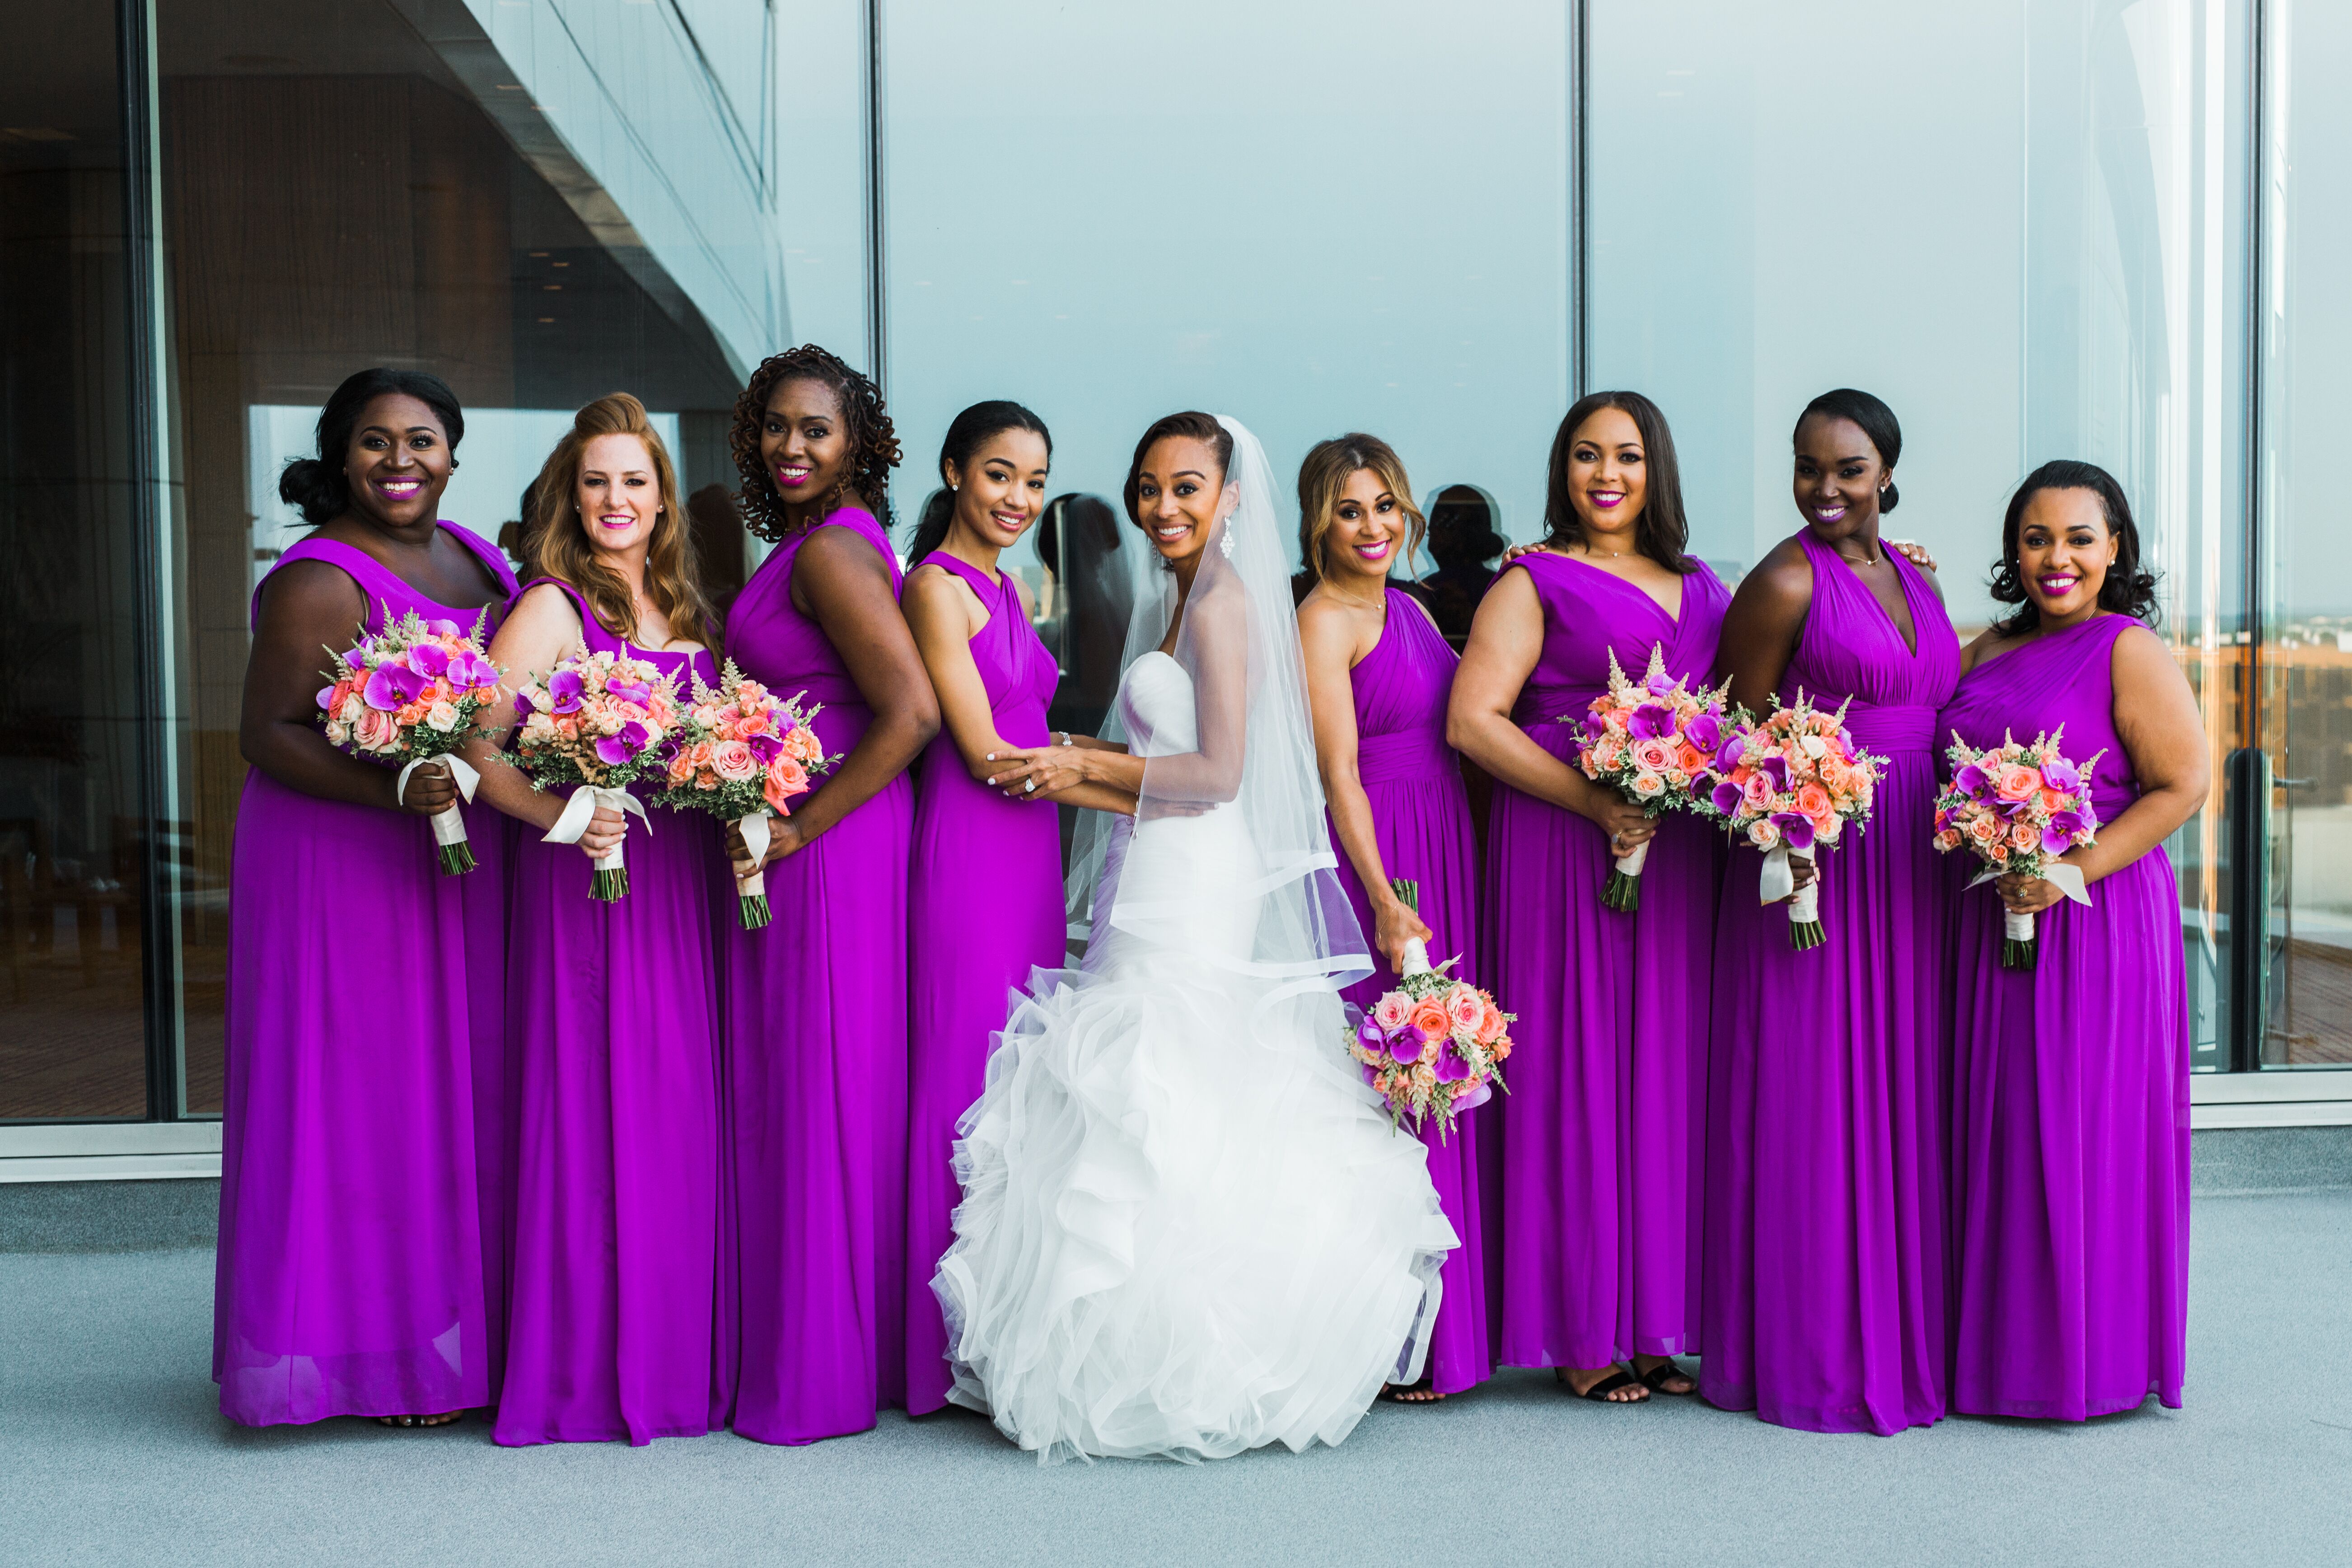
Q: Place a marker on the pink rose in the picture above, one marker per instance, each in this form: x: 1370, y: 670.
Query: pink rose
x: 1490, y: 1024
x: 1757, y: 796
x: 2024, y: 836
x: 1984, y: 829
x: 1607, y: 756
x: 1764, y: 834
x: 1392, y: 1010
x: 1948, y: 839
x: 2017, y: 782
x: 376, y: 731
x: 1648, y: 786
x: 733, y: 760
x: 1466, y: 1007
x: 1653, y: 756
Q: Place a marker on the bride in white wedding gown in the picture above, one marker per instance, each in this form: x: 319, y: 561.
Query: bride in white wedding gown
x: 1188, y: 1229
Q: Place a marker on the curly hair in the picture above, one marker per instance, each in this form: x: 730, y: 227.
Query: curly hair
x: 873, y: 440
x: 2128, y: 590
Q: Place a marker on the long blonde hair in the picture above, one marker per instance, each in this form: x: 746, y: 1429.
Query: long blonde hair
x: 560, y: 547
x: 1324, y: 475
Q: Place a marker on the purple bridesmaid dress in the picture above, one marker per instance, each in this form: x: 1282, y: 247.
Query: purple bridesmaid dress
x: 1599, y: 1165
x: 984, y: 905
x: 2070, y: 1090
x: 613, y: 1017
x: 1421, y: 820
x: 814, y: 1020
x: 360, y: 1238
x: 1824, y: 1268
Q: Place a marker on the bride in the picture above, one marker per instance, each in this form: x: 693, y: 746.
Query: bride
x: 1187, y: 1228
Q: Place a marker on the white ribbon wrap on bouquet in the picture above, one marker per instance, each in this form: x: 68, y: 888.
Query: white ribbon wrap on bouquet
x: 449, y: 823
x: 1780, y: 881
x: 754, y: 829
x: 1416, y: 957
x: 2067, y: 879
x: 1630, y: 864
x: 582, y: 808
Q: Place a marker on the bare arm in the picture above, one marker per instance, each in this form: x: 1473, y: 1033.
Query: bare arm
x: 1761, y: 627
x: 310, y: 611
x: 941, y: 614
x: 543, y: 628
x: 1327, y: 640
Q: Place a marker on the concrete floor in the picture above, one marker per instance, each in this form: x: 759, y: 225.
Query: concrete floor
x: 112, y: 1450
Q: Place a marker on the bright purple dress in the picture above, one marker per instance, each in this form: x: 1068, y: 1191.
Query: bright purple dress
x: 813, y: 1284
x: 1598, y: 1195
x: 2070, y: 1090
x: 613, y: 1017
x: 359, y: 1215
x: 1824, y: 1266
x: 1421, y: 820
x: 984, y: 903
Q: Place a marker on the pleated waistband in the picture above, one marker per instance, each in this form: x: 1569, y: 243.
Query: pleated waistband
x: 1893, y: 727
x: 1405, y: 754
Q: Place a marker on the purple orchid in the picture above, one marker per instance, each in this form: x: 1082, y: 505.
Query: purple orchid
x: 442, y: 628
x: 2062, y: 775
x: 429, y: 660
x: 1405, y: 1046
x: 1796, y: 828
x: 391, y: 688
x: 1595, y: 726
x: 1651, y: 721
x: 1973, y: 781
x: 2069, y: 823
x: 1775, y: 767
x: 1725, y: 797
x: 1450, y: 1067
x: 633, y: 735
x: 613, y: 750
x: 524, y: 707
x: 630, y: 691
x: 1706, y: 732
x: 470, y: 668
x: 767, y: 748
x: 1727, y: 755
x: 2055, y: 840
x: 325, y: 696
x: 355, y: 658
x: 563, y: 690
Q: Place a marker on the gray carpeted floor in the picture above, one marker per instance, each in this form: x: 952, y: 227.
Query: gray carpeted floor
x: 111, y: 1451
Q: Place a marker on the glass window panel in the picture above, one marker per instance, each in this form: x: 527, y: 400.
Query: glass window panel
x: 2022, y: 225
x: 72, y: 1021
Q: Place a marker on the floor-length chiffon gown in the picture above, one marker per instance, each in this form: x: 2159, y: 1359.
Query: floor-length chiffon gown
x: 2070, y: 1089
x: 614, y: 1023
x: 1823, y: 1261
x: 984, y: 907
x: 357, y: 1267
x: 1600, y: 1134
x: 1421, y: 820
x: 814, y: 1021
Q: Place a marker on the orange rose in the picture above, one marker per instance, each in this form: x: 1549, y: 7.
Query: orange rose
x: 785, y: 778
x: 1689, y: 758
x: 1813, y: 800
x: 1430, y: 1019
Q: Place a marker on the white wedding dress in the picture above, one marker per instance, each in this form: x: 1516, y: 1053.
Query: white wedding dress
x: 1188, y: 1229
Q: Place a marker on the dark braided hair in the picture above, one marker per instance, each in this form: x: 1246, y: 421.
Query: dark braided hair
x: 2129, y: 588
x: 873, y: 440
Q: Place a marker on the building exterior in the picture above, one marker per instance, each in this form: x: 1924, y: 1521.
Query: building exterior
x: 2094, y: 228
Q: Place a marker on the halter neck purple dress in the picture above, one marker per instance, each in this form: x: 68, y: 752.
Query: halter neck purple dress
x: 1598, y: 1199
x: 360, y: 1239
x: 814, y: 1014
x: 1824, y: 1270
x: 984, y: 902
x: 2070, y: 1090
x: 613, y: 1018
x: 1421, y: 820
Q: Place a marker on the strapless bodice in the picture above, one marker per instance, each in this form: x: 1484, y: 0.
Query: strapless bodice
x: 1155, y: 703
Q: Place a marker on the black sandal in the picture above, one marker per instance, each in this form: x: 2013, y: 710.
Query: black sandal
x: 1600, y: 1392
x: 1655, y: 1379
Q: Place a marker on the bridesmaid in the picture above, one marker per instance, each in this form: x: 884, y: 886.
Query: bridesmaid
x: 355, y: 1222
x: 2070, y: 1084
x: 1377, y: 671
x: 815, y: 1012
x: 611, y: 1008
x: 974, y: 850
x: 1824, y: 1259
x: 1599, y: 1192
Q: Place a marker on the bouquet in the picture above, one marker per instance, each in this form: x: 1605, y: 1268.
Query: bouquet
x: 741, y: 753
x: 1652, y: 744
x: 1432, y: 1046
x: 598, y: 722
x: 2017, y: 808
x: 411, y: 694
x: 1789, y: 785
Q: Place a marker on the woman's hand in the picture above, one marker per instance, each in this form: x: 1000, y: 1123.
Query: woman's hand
x: 783, y: 838
x: 606, y: 829
x: 1395, y: 925
x: 2027, y: 895
x: 1037, y: 771
x: 431, y: 789
x: 1626, y: 824
x: 1913, y: 551
x: 1803, y: 872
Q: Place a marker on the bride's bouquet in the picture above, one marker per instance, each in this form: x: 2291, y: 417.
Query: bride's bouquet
x: 1651, y: 743
x: 1789, y: 785
x: 1433, y: 1045
x: 2017, y: 808
x: 410, y: 695
x: 741, y: 753
x: 598, y: 722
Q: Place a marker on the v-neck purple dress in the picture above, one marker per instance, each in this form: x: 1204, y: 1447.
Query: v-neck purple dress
x: 360, y: 1243
x: 814, y: 1014
x: 2070, y: 1089
x: 1598, y: 1200
x: 613, y: 1017
x: 984, y: 905
x: 1421, y: 820
x: 1824, y: 1266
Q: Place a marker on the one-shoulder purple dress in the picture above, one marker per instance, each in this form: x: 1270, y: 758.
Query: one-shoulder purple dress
x: 1421, y: 820
x: 359, y: 1245
x: 2070, y: 1090
x: 613, y: 1017
x: 814, y: 1017
x: 984, y: 905
x: 1824, y: 1266
x: 1599, y: 1190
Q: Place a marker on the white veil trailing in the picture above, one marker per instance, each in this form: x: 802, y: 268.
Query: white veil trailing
x: 1254, y: 758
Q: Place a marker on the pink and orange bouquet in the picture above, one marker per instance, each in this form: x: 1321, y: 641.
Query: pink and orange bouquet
x: 2017, y: 808
x: 742, y: 754
x: 1652, y: 743
x: 1789, y: 785
x: 597, y: 723
x: 1434, y: 1046
x: 410, y: 695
